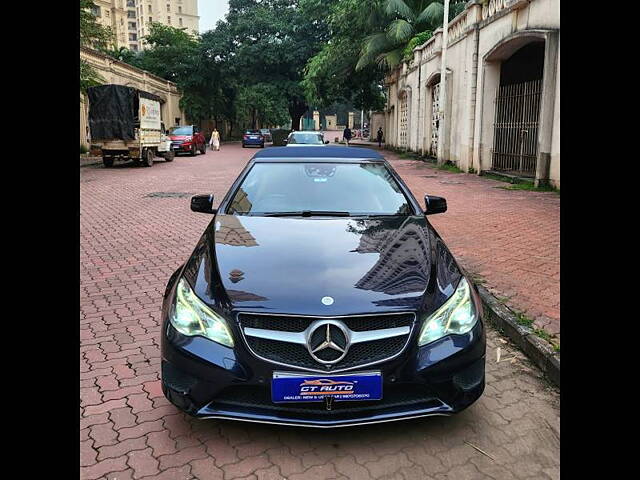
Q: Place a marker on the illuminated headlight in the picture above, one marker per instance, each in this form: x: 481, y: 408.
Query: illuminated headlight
x: 191, y: 317
x: 456, y: 315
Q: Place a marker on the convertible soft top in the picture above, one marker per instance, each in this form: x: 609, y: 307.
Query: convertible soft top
x: 318, y: 152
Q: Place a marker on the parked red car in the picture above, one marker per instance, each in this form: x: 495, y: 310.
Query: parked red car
x: 187, y: 139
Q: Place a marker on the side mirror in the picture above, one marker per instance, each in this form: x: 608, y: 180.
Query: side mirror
x: 202, y: 204
x: 434, y: 204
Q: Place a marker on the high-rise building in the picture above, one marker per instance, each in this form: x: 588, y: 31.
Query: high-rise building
x: 131, y: 20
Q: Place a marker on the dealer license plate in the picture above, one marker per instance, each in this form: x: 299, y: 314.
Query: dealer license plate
x: 297, y: 387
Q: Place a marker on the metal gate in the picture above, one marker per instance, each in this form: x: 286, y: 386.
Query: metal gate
x: 403, y: 120
x: 515, y: 139
x: 435, y: 117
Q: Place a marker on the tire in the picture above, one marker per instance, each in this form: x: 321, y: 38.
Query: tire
x: 107, y: 162
x: 169, y: 156
x: 262, y: 145
x: 193, y: 151
x: 147, y: 156
x: 136, y: 161
x: 244, y: 146
x: 203, y: 149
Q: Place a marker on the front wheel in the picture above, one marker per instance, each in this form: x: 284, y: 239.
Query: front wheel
x: 148, y: 158
x: 107, y: 162
x: 193, y: 150
x: 262, y: 145
x: 169, y: 156
x: 203, y: 149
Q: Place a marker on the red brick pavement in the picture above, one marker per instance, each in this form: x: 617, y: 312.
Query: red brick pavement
x: 510, y: 239
x: 131, y: 243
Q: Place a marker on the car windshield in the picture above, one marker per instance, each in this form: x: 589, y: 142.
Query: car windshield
x: 264, y: 130
x: 181, y: 131
x: 251, y: 132
x: 343, y: 189
x: 306, y: 139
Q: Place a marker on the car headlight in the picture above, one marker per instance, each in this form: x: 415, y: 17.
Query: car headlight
x: 456, y: 315
x: 191, y: 317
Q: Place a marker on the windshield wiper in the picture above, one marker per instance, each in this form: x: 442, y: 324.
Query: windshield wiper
x: 308, y: 213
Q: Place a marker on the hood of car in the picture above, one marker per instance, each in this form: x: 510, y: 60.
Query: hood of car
x: 180, y: 137
x: 290, y: 265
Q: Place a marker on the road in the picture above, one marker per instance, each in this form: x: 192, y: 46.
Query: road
x: 137, y: 228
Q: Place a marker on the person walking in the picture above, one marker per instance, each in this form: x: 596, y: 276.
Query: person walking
x: 379, y: 136
x: 347, y: 135
x: 215, y: 140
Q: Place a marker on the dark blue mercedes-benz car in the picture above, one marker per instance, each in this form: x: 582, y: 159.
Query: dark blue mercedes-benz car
x: 320, y: 295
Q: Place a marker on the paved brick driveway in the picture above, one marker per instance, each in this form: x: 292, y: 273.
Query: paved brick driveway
x: 132, y: 242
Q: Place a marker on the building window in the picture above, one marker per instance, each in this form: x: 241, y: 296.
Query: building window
x: 131, y: 3
x: 133, y: 37
x: 150, y: 19
x: 169, y: 20
x: 133, y: 46
x: 149, y: 6
x: 131, y: 14
x: 180, y: 21
x: 168, y: 7
x: 179, y: 9
x: 177, y: 120
x: 132, y: 26
x: 107, y: 14
x: 96, y: 11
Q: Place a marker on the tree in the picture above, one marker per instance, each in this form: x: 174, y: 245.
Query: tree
x: 261, y: 103
x: 271, y: 42
x: 330, y: 76
x: 93, y: 35
x: 396, y: 23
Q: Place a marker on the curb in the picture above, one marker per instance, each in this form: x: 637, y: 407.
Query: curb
x: 88, y: 161
x: 538, y: 350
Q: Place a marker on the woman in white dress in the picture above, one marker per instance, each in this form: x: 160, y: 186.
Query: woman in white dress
x: 215, y: 140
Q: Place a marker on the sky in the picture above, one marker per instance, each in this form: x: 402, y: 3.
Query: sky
x: 210, y: 11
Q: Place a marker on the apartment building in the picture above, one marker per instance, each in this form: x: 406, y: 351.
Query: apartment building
x: 131, y: 19
x: 174, y: 13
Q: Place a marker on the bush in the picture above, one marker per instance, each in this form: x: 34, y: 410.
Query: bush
x: 83, y: 149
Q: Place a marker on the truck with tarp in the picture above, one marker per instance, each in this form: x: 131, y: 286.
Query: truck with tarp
x: 125, y: 124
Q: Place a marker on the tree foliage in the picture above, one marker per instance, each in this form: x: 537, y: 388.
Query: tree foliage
x: 365, y: 43
x: 94, y: 35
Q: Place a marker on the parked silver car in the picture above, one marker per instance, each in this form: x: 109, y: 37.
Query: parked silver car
x: 266, y: 133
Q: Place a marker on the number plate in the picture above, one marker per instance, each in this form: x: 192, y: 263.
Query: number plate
x: 296, y: 387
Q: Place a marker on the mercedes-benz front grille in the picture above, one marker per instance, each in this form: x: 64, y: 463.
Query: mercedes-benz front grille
x: 326, y: 343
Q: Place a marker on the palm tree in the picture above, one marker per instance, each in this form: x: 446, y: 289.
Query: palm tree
x: 396, y: 22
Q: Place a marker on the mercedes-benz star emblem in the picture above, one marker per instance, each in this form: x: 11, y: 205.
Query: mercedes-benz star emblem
x: 327, y: 300
x: 328, y: 341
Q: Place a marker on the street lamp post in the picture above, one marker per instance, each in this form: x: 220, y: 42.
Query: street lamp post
x: 443, y: 84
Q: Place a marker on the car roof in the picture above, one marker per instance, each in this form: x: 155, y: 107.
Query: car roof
x: 322, y: 153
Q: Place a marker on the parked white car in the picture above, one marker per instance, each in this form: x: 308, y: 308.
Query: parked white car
x: 304, y: 138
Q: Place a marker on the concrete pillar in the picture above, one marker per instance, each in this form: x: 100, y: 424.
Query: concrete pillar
x: 486, y: 101
x: 547, y: 101
x: 316, y: 119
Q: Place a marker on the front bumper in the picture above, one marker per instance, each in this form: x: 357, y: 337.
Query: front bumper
x: 208, y: 380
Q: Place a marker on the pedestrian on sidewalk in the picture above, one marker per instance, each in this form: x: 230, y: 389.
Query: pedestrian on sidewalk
x: 215, y: 140
x: 347, y: 135
x: 380, y: 137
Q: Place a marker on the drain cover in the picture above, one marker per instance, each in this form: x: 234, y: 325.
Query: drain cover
x: 169, y: 194
x: 452, y: 183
